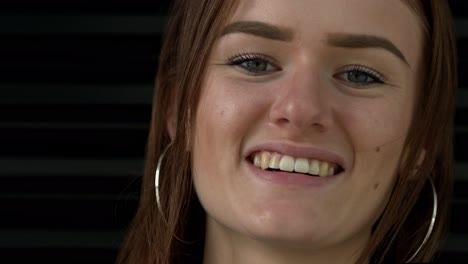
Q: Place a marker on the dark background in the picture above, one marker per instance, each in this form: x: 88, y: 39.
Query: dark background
x: 76, y: 85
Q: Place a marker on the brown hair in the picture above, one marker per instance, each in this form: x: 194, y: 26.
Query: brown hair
x: 178, y: 234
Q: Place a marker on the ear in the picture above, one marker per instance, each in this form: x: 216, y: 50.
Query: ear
x: 171, y: 120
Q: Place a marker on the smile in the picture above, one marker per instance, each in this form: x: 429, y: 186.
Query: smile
x: 276, y: 161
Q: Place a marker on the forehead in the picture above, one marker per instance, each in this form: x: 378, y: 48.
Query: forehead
x: 312, y: 20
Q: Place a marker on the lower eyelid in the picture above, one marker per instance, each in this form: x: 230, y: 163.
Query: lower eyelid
x: 271, y: 67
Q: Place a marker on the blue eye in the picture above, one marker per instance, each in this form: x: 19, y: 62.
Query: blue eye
x: 360, y: 76
x: 254, y: 64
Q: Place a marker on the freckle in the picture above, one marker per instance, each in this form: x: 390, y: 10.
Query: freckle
x: 376, y: 186
x: 377, y: 149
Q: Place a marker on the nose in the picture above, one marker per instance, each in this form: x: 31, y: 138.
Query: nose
x: 301, y: 102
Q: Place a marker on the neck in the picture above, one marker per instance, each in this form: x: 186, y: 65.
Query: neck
x: 226, y: 246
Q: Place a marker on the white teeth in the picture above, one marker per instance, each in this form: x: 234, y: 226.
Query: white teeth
x: 301, y: 165
x: 314, y: 167
x: 274, y: 161
x: 323, y: 169
x: 286, y: 163
x: 265, y: 160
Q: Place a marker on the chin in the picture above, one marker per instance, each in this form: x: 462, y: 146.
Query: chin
x: 285, y: 228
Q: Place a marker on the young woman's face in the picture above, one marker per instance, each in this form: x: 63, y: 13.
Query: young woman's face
x: 302, y: 118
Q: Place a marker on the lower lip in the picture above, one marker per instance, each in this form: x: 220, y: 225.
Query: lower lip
x: 288, y: 178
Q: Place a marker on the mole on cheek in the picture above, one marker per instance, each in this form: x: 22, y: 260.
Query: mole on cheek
x: 376, y: 185
x: 377, y: 149
x: 221, y: 113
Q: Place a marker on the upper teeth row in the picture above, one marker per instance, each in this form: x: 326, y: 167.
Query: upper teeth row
x: 266, y: 160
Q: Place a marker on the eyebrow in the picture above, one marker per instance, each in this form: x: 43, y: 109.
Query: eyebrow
x: 342, y: 40
x: 259, y: 29
x: 353, y: 41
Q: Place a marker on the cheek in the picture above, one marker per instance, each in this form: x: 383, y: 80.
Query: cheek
x: 377, y: 126
x: 377, y: 130
x: 227, y: 113
x: 226, y: 110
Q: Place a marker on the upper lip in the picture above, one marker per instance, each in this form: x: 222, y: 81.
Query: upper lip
x: 299, y: 151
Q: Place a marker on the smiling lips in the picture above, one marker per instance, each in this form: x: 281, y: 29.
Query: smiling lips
x: 275, y: 161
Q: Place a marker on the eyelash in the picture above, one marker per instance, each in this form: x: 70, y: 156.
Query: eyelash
x: 240, y: 58
x: 375, y: 75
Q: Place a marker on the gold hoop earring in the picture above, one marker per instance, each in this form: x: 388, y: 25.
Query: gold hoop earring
x: 156, y: 182
x: 431, y: 224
